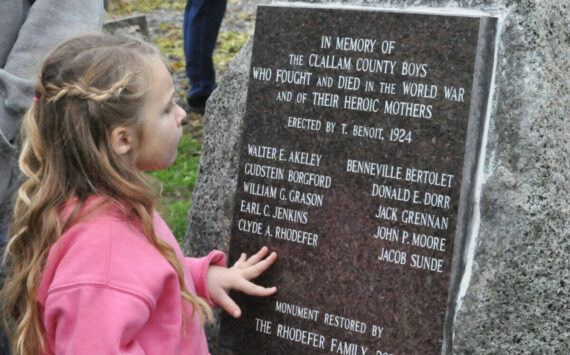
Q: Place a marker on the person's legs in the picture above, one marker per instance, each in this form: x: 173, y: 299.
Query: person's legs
x: 202, y: 20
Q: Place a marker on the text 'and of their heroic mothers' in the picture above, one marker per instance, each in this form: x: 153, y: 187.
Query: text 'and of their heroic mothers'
x: 351, y: 169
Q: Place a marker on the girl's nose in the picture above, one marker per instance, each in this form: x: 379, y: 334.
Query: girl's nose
x: 180, y: 116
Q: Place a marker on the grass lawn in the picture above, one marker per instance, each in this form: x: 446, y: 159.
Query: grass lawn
x: 177, y: 182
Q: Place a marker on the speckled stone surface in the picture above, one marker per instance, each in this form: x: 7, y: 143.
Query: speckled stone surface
x: 209, y: 218
x: 516, y: 298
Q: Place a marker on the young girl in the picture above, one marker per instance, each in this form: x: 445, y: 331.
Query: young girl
x: 93, y: 269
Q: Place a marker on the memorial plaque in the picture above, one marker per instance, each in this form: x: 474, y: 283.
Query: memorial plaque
x: 361, y: 137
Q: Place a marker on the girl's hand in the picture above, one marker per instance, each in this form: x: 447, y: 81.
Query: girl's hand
x: 220, y: 280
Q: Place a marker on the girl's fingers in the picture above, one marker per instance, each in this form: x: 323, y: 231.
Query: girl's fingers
x: 252, y: 289
x: 253, y: 271
x: 226, y: 303
x: 241, y: 259
x: 254, y: 259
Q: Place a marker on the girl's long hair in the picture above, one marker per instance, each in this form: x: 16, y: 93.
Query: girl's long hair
x: 88, y: 86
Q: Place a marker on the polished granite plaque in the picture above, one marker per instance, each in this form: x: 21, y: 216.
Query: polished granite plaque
x: 360, y: 145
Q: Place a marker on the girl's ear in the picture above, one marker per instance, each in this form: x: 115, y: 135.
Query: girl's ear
x: 121, y: 140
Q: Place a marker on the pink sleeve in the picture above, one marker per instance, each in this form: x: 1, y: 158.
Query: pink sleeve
x: 199, y: 269
x: 94, y: 319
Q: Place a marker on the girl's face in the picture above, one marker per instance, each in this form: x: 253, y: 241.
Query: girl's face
x: 161, y: 123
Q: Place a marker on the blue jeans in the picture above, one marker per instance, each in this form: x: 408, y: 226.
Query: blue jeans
x: 202, y: 20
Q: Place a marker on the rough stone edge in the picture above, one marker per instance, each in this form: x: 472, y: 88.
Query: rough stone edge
x: 474, y: 153
x: 513, y: 303
x: 211, y: 211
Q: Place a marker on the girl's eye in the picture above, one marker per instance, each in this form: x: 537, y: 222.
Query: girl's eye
x: 170, y: 106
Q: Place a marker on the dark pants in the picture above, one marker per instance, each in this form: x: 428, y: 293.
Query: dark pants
x: 202, y: 20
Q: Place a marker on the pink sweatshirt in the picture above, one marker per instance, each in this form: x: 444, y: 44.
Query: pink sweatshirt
x: 106, y: 290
